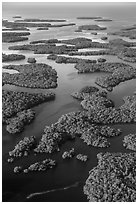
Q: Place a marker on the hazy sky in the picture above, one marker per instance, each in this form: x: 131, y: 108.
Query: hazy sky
x: 70, y: 9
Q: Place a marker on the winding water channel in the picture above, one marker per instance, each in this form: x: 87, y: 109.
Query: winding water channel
x: 67, y: 173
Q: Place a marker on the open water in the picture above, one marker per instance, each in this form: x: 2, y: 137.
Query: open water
x: 66, y: 181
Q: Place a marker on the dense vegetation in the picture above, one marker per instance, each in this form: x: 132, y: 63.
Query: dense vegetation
x: 88, y: 91
x: 129, y: 142
x: 17, y: 17
x: 100, y: 67
x: 72, y: 124
x: 14, y: 102
x: 8, y: 34
x: 40, y: 20
x: 31, y: 60
x: 79, y: 123
x: 36, y: 167
x: 122, y: 49
x: 45, y: 48
x: 62, y: 59
x: 89, y: 18
x: 82, y: 157
x: 16, y: 112
x: 15, y: 28
x: 104, y: 38
x: 118, y: 72
x: 68, y: 154
x: 9, y: 37
x: 103, y: 20
x: 128, y: 54
x: 22, y: 148
x: 121, y: 74
x: 16, y: 124
x: 41, y: 166
x: 91, y: 27
x: 12, y: 57
x: 113, y: 179
x: 15, y: 24
x: 31, y: 75
x: 43, y: 28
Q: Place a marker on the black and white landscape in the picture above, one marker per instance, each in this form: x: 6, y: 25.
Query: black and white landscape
x: 69, y: 102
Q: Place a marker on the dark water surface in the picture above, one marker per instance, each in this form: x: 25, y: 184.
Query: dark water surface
x: 65, y: 174
x: 66, y: 181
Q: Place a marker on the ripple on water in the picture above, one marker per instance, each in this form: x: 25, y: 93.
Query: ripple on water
x: 67, y: 173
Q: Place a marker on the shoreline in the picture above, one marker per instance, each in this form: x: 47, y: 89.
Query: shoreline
x: 68, y: 77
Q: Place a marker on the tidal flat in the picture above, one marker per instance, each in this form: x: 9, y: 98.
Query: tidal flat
x: 69, y: 108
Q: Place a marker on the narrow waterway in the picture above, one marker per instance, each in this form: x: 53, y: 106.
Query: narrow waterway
x: 66, y: 181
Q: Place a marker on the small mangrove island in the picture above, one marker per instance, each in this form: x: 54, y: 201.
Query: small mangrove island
x: 9, y: 37
x: 31, y: 60
x: 91, y: 27
x: 22, y: 148
x: 40, y: 20
x: 68, y: 154
x: 34, y: 75
x: 82, y: 158
x: 12, y: 57
x: 68, y: 98
x: 89, y: 18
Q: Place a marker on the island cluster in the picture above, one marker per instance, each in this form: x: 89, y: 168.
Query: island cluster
x: 113, y: 179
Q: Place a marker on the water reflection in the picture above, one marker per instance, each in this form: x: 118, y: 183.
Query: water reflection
x: 67, y: 172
